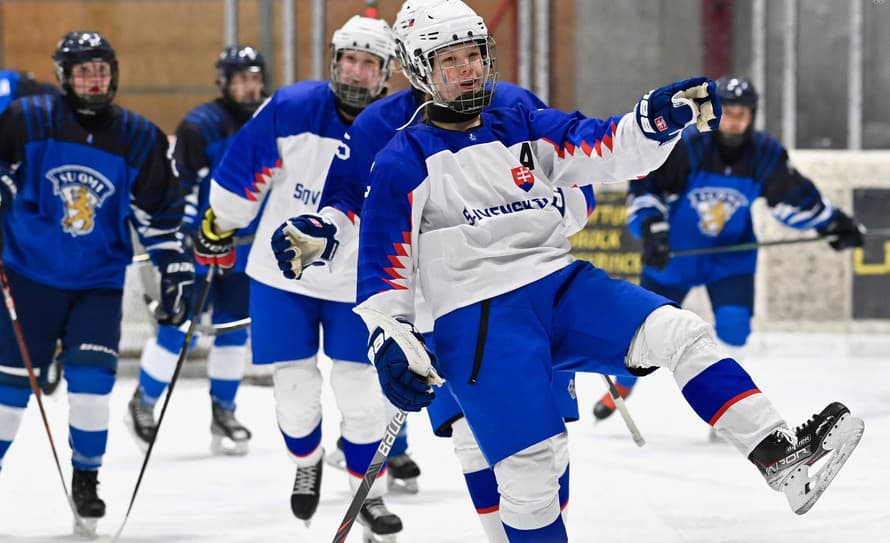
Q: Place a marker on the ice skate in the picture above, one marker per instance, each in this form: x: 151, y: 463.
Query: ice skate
x: 90, y: 508
x: 828, y: 438
x: 402, y: 474
x: 306, y: 492
x: 604, y: 408
x: 228, y: 436
x: 379, y: 523
x: 336, y: 459
x: 140, y: 420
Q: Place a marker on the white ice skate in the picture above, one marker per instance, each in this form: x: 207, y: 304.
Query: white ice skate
x: 825, y: 441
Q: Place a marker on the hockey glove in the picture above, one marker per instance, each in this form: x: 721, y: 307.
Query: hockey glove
x: 213, y: 248
x: 662, y: 113
x: 849, y: 232
x: 303, y: 241
x: 177, y: 287
x: 656, y: 242
x: 401, y: 386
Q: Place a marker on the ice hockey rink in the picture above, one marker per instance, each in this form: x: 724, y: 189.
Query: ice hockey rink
x: 678, y: 488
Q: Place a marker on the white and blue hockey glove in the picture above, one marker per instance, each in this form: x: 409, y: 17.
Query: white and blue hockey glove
x: 305, y: 240
x: 401, y: 386
x: 662, y: 113
x: 177, y: 286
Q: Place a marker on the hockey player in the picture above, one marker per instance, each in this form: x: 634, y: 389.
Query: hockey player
x: 282, y: 156
x: 702, y: 196
x: 77, y: 171
x: 15, y: 84
x: 202, y: 139
x: 459, y: 205
x: 344, y: 193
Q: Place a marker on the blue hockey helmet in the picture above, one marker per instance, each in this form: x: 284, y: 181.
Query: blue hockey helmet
x: 736, y: 91
x: 79, y: 47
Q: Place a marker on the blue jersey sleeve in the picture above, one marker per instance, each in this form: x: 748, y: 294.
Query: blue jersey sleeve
x: 651, y: 195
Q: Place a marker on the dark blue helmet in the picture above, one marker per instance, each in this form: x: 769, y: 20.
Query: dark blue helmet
x: 79, y: 47
x: 736, y: 91
x: 238, y: 58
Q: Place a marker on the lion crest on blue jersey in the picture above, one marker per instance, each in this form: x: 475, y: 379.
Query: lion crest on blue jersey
x: 715, y: 207
x: 82, y: 190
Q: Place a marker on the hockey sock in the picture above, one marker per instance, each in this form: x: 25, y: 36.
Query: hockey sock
x: 89, y: 393
x: 555, y: 532
x: 626, y: 380
x: 564, y: 494
x: 305, y: 450
x: 156, y: 368
x: 13, y: 401
x: 358, y: 458
x: 483, y: 487
x: 225, y: 367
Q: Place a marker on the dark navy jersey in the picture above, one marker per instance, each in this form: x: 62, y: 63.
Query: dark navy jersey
x: 707, y: 201
x: 202, y: 139
x: 80, y: 189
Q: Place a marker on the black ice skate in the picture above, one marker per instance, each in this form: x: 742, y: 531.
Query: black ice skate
x: 380, y: 524
x: 140, y: 420
x: 604, y: 408
x: 785, y: 460
x: 87, y: 503
x: 403, y: 472
x: 228, y: 436
x: 307, y: 489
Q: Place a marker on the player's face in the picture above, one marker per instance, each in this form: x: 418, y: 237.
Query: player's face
x: 91, y: 78
x: 360, y: 69
x: 246, y: 86
x: 735, y: 120
x: 458, y: 69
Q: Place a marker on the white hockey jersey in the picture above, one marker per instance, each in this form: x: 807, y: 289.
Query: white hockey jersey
x: 277, y: 165
x: 466, y: 213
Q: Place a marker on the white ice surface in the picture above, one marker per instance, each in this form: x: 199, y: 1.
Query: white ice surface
x: 678, y: 488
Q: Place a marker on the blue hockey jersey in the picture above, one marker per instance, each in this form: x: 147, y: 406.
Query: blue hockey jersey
x: 80, y: 187
x: 707, y: 201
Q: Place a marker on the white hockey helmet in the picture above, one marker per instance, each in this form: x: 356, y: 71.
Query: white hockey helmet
x: 362, y: 34
x: 439, y: 26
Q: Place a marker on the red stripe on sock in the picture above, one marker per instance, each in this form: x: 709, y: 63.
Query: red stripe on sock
x: 487, y: 510
x: 732, y: 402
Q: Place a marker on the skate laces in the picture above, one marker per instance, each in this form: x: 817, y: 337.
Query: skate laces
x: 305, y: 480
x: 787, y: 434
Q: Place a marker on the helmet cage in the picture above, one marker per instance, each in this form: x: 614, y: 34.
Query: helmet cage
x: 361, y: 34
x: 78, y: 48
x: 435, y: 28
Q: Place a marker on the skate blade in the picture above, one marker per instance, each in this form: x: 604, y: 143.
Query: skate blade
x: 336, y: 460
x: 223, y: 446
x: 370, y: 537
x: 803, y: 490
x: 85, y: 527
x: 402, y: 486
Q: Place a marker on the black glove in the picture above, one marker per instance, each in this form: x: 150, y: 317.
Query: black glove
x: 656, y: 242
x: 177, y: 286
x: 849, y: 232
x: 213, y: 248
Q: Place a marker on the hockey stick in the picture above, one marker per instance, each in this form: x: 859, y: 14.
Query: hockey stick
x: 154, y: 307
x: 625, y: 414
x: 32, y: 380
x: 144, y: 257
x: 389, y: 437
x: 183, y: 354
x: 878, y: 232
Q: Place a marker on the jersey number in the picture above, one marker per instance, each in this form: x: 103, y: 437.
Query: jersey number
x: 525, y: 156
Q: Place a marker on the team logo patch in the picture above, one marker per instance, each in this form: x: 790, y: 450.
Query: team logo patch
x: 82, y: 190
x: 660, y: 124
x: 715, y: 207
x: 523, y: 177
